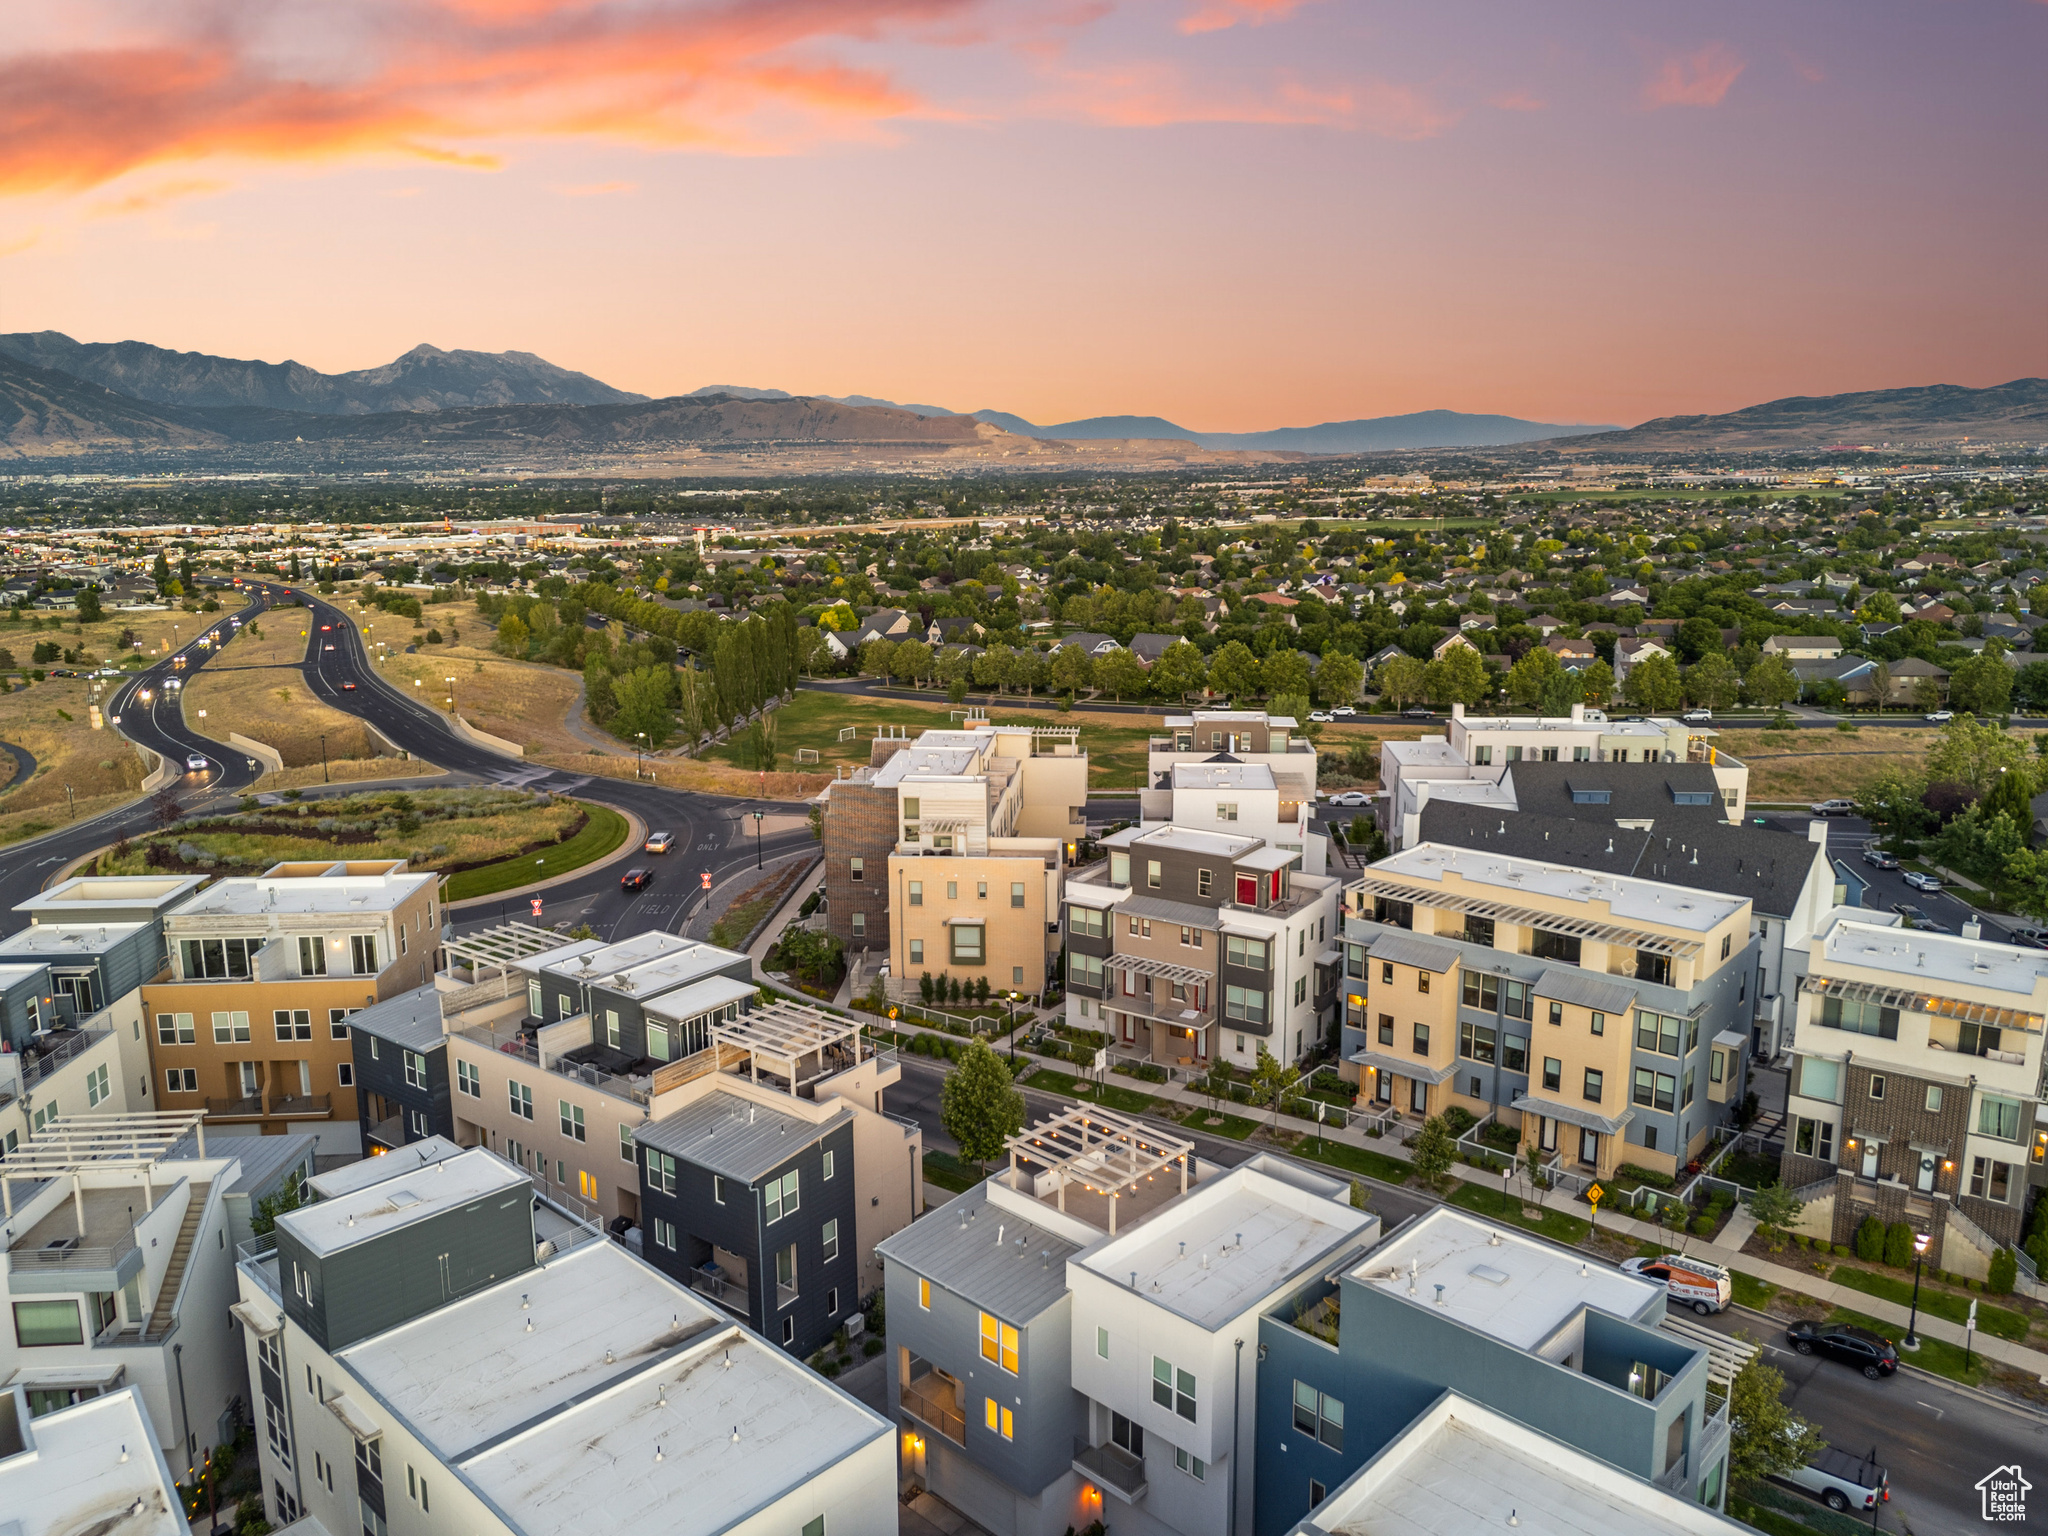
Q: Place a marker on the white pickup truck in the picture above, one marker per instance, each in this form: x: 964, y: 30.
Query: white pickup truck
x: 1844, y: 1481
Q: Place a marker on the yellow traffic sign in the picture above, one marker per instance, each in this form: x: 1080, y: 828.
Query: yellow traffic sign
x: 1593, y: 1194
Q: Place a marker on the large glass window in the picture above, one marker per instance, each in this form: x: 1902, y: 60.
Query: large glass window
x: 1820, y: 1079
x: 1482, y: 992
x: 363, y: 952
x: 967, y: 944
x: 1476, y: 1042
x: 1999, y: 1118
x: 999, y: 1342
x: 1173, y: 1389
x: 1815, y: 1138
x: 1517, y: 1001
x: 1249, y: 953
x: 216, y: 959
x: 1244, y: 1003
x: 1554, y: 946
x: 780, y: 1195
x: 1860, y: 1017
x: 312, y: 955
x: 1479, y: 930
x: 47, y: 1322
x: 1397, y: 914
x: 1319, y: 1416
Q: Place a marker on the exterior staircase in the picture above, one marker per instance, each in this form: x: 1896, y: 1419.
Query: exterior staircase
x: 181, y: 1255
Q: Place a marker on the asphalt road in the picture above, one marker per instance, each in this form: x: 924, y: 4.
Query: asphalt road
x: 1934, y: 1440
x: 1847, y: 838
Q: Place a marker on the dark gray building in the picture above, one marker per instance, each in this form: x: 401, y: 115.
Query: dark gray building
x: 91, y: 964
x: 401, y: 1070
x: 755, y: 1209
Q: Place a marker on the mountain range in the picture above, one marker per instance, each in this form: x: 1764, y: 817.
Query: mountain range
x: 65, y: 398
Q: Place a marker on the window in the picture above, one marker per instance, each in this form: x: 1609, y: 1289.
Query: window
x: 1557, y: 1013
x: 1479, y: 930
x: 1152, y: 874
x: 1386, y: 1029
x: 37, y: 1323
x: 1173, y: 1389
x: 967, y: 943
x: 1101, y: 1343
x: 415, y: 1069
x: 312, y: 955
x: 981, y: 890
x: 1386, y: 973
x: 1244, y: 1003
x: 1421, y: 1040
x: 468, y: 1080
x: 1877, y: 1085
x: 230, y: 1028
x: 96, y: 1087
x: 860, y: 925
x: 1476, y: 1042
x: 828, y: 1164
x: 521, y: 1098
x: 1482, y: 992
x: 1999, y: 1118
x: 1249, y: 953
x: 1554, y: 946
x: 1815, y: 1138
x: 1319, y: 1416
x: 780, y: 1196
x: 181, y: 1080
x: 1194, y: 1466
x: 1989, y: 1180
x: 1654, y: 1089
x: 831, y: 1240
x: 572, y: 1120
x: 1300, y: 990
x: 1553, y: 1073
x: 1204, y: 879
x: 345, y: 1074
x: 1595, y: 1081
x: 1726, y: 938
x: 997, y: 1418
x: 1517, y: 1001
x: 1653, y: 967
x: 416, y: 1489
x: 924, y: 1293
x: 1120, y: 870
x: 215, y: 959
x: 1084, y: 970
x: 661, y: 1172
x: 1933, y: 1099
x: 664, y: 1234
x: 856, y: 870
x: 717, y: 1189
x: 625, y: 1143
x: 1085, y: 922
x: 1016, y: 893
x: 1860, y: 1017
x: 1514, y: 1052
x: 337, y: 1023
x: 1422, y: 982
x: 1247, y: 890
x: 362, y: 949
x: 1597, y: 1023
x: 998, y: 1342
x: 274, y: 1426
x: 815, y: 1526
x: 174, y: 1029
x: 1820, y: 1080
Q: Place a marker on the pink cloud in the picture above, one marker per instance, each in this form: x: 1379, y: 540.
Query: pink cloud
x: 1160, y: 95
x: 1698, y: 79
x: 598, y: 189
x: 1520, y: 101
x: 1217, y: 15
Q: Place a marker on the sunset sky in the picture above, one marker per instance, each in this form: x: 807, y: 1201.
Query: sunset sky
x: 1238, y: 214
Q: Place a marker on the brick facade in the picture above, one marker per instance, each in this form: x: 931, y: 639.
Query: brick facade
x: 860, y: 823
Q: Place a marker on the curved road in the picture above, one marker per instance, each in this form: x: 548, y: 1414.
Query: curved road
x: 24, y: 766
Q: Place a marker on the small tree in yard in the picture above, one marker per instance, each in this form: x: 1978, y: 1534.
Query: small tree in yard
x: 1432, y: 1152
x: 1271, y: 1078
x: 1765, y: 1438
x: 978, y: 1106
x: 1775, y: 1208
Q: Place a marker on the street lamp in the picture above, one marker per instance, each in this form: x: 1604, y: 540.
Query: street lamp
x: 323, y: 759
x: 758, y: 815
x: 1922, y: 1241
x: 451, y: 695
x: 639, y: 745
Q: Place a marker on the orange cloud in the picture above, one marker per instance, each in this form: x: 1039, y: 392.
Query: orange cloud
x: 1216, y: 15
x: 149, y: 199
x: 438, y: 79
x: 1158, y: 96
x: 1698, y: 79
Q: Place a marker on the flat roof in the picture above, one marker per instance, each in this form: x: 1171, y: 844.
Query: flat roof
x: 736, y: 1136
x: 85, y: 891
x: 52, y: 941
x: 699, y: 997
x: 1459, y: 1468
x: 1184, y: 839
x: 400, y: 1200
x: 1496, y: 1280
x: 1921, y: 958
x: 600, y: 961
x: 993, y: 1256
x: 411, y: 1019
x: 374, y: 1169
x: 675, y: 969
x: 1628, y: 897
x: 70, y: 1476
x: 534, y: 964
x: 337, y: 895
x: 929, y: 762
x: 1433, y: 751
x: 1214, y: 775
x: 1215, y: 1252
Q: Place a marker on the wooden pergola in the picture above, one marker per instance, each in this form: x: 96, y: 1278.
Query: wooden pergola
x: 786, y: 1035
x: 1106, y: 1153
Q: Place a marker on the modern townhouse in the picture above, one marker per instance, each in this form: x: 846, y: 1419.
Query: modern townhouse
x: 1190, y: 946
x: 1501, y: 1318
x: 948, y: 852
x: 421, y: 1369
x: 1917, y: 1076
x: 1458, y: 1467
x: 91, y: 964
x: 1249, y: 737
x: 1606, y: 1016
x: 96, y: 899
x: 86, y: 1467
x: 1075, y: 1340
x: 251, y: 1022
x: 1791, y: 883
x: 119, y: 1272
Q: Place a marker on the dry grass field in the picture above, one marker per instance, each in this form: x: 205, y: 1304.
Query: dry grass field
x: 1808, y: 765
x: 52, y: 722
x: 254, y: 687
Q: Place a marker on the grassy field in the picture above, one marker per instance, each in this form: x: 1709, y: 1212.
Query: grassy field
x: 949, y: 1173
x: 1814, y: 765
x: 517, y: 700
x: 2001, y: 1322
x: 254, y: 687
x: 1751, y: 1292
x: 1483, y: 1200
x: 753, y: 905
x: 601, y: 835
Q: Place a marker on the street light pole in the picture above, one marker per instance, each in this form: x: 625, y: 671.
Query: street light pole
x: 323, y: 759
x: 758, y: 815
x: 1921, y: 1242
x: 639, y: 746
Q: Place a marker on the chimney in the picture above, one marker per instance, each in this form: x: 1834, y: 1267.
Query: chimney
x: 1457, y: 711
x: 1578, y: 714
x: 1817, y: 832
x: 1972, y: 928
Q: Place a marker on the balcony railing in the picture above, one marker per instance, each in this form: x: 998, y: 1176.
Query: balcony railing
x: 36, y: 1065
x: 732, y: 1297
x: 910, y: 1126
x: 60, y: 1256
x: 1112, y: 1466
x: 303, y: 1106
x: 249, y: 1107
x: 785, y: 1295
x: 922, y: 1400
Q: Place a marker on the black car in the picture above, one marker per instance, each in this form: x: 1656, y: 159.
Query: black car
x: 636, y: 879
x: 1871, y: 1353
x: 1418, y: 713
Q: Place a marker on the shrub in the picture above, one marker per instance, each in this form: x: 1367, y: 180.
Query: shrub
x: 1647, y: 1176
x: 1975, y: 1285
x: 1870, y: 1240
x: 1898, y: 1245
x: 1842, y: 1250
x: 1702, y: 1225
x: 1801, y: 1240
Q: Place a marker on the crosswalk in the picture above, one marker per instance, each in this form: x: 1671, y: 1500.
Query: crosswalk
x: 538, y: 778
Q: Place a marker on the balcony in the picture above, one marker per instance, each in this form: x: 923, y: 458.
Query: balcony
x: 389, y: 1133
x: 258, y: 1257
x: 785, y: 1295
x: 303, y: 1106
x: 49, y: 1054
x: 728, y: 1294
x: 74, y: 1261
x: 930, y: 1400
x: 249, y: 1107
x: 1111, y: 1467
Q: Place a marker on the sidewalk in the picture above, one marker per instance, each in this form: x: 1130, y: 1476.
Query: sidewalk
x: 1725, y: 1251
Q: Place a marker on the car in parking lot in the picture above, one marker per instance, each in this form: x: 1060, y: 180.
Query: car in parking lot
x: 1871, y: 1353
x: 636, y: 879
x: 1833, y: 808
x: 1940, y: 717
x: 1921, y: 882
x: 1351, y: 797
x: 1877, y: 858
x: 660, y: 842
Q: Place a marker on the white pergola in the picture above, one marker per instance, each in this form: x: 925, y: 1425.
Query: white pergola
x: 71, y: 1145
x: 785, y: 1035
x: 1106, y: 1153
x: 500, y: 948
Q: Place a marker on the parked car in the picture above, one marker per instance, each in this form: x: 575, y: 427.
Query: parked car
x: 1871, y: 1353
x: 1940, y: 717
x: 1914, y: 918
x: 1693, y: 716
x: 1344, y: 712
x: 1417, y: 712
x: 636, y: 879
x: 1843, y: 1481
x: 2032, y: 938
x: 1921, y: 882
x: 1877, y: 858
x: 1321, y: 716
x: 660, y: 842
x: 1690, y: 1282
x: 1351, y: 797
x: 1833, y: 808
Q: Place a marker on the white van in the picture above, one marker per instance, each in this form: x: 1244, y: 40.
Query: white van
x: 1691, y: 1282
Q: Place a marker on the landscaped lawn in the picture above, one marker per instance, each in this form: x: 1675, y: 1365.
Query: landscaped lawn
x: 603, y: 833
x: 2001, y: 1322
x: 948, y: 1172
x: 1236, y: 1127
x: 1360, y: 1160
x: 1933, y: 1355
x: 1109, y: 1096
x: 1751, y: 1292
x: 1484, y: 1200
